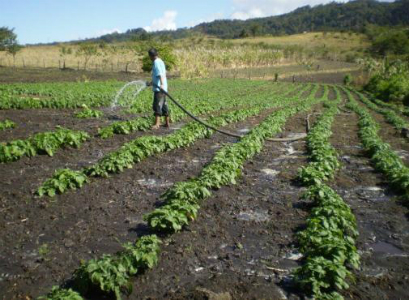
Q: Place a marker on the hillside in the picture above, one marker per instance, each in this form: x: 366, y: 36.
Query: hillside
x: 354, y: 15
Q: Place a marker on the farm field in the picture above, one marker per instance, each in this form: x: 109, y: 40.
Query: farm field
x: 95, y: 205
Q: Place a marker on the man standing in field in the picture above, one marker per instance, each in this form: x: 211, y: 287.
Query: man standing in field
x: 160, y: 107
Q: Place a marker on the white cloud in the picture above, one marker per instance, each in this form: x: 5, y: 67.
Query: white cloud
x: 245, y: 9
x: 166, y: 22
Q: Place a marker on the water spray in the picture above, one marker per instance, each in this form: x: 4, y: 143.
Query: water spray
x: 143, y: 84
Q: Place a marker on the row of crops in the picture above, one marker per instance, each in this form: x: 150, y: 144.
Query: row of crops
x: 142, y: 147
x: 181, y: 203
x: 101, y: 94
x: 328, y: 241
x: 49, y: 142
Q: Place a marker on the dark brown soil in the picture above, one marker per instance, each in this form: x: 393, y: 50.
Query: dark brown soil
x: 241, y: 245
x: 50, y: 238
x: 382, y: 221
x: 391, y: 135
x: 13, y: 75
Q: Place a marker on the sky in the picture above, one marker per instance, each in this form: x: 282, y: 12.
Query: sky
x: 46, y: 21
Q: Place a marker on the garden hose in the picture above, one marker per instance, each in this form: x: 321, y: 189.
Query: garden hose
x: 292, y: 139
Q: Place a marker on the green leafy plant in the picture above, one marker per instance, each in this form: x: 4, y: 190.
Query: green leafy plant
x: 62, y: 180
x: 328, y: 241
x: 58, y: 293
x: 41, y: 143
x: 88, y: 113
x: 7, y: 124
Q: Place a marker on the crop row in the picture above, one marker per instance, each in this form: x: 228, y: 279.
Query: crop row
x: 142, y: 147
x: 111, y: 273
x: 382, y: 156
x: 7, y: 124
x: 328, y: 241
x: 390, y: 116
x: 97, y: 94
x: 397, y: 108
x: 197, y: 108
x: 41, y: 143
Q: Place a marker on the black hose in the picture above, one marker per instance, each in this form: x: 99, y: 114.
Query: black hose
x: 194, y: 117
x: 218, y: 130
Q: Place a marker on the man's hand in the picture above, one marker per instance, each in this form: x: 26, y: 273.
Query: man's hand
x: 162, y: 86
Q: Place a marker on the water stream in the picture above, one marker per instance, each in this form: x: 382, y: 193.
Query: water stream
x: 140, y: 85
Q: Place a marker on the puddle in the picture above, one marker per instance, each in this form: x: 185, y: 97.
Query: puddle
x: 243, y: 130
x: 387, y: 248
x: 290, y: 150
x: 154, y: 183
x: 253, y: 216
x: 270, y: 172
x: 294, y: 255
x: 371, y: 193
x: 296, y: 134
x: 402, y: 153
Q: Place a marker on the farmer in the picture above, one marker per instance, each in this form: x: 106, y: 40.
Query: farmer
x: 160, y: 107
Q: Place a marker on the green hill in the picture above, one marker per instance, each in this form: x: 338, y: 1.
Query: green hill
x: 353, y: 15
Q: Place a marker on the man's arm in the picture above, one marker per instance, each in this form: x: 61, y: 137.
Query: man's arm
x: 162, y: 80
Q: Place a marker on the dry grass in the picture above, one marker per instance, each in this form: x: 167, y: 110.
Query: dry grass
x: 338, y: 40
x: 199, y: 57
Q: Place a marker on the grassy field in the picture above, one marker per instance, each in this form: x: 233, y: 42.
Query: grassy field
x: 339, y: 40
x: 197, y: 57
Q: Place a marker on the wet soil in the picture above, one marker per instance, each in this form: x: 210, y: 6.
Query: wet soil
x: 390, y: 134
x: 241, y: 245
x: 382, y: 220
x: 43, y: 240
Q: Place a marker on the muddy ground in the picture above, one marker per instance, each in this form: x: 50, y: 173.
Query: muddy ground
x: 242, y: 245
x: 49, y: 237
x: 382, y: 217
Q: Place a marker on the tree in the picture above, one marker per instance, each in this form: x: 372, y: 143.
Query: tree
x: 165, y: 53
x: 87, y: 51
x: 64, y: 52
x: 255, y: 29
x: 244, y: 34
x: 13, y: 50
x: 7, y: 38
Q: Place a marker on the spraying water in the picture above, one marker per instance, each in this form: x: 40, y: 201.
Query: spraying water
x: 140, y: 85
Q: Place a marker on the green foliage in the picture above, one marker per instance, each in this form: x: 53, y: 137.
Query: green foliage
x: 183, y: 199
x: 111, y: 273
x: 62, y: 180
x: 7, y: 124
x: 383, y: 157
x: 57, y: 95
x: 390, y: 116
x: 106, y: 274
x: 387, y: 41
x: 58, y: 293
x: 348, y: 79
x: 87, y: 51
x: 324, y: 158
x: 7, y: 38
x: 88, y: 113
x: 328, y: 241
x: 142, y: 147
x: 41, y: 143
x: 391, y: 82
x: 165, y: 53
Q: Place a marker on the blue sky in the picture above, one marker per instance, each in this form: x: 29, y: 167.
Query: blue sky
x: 46, y: 21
